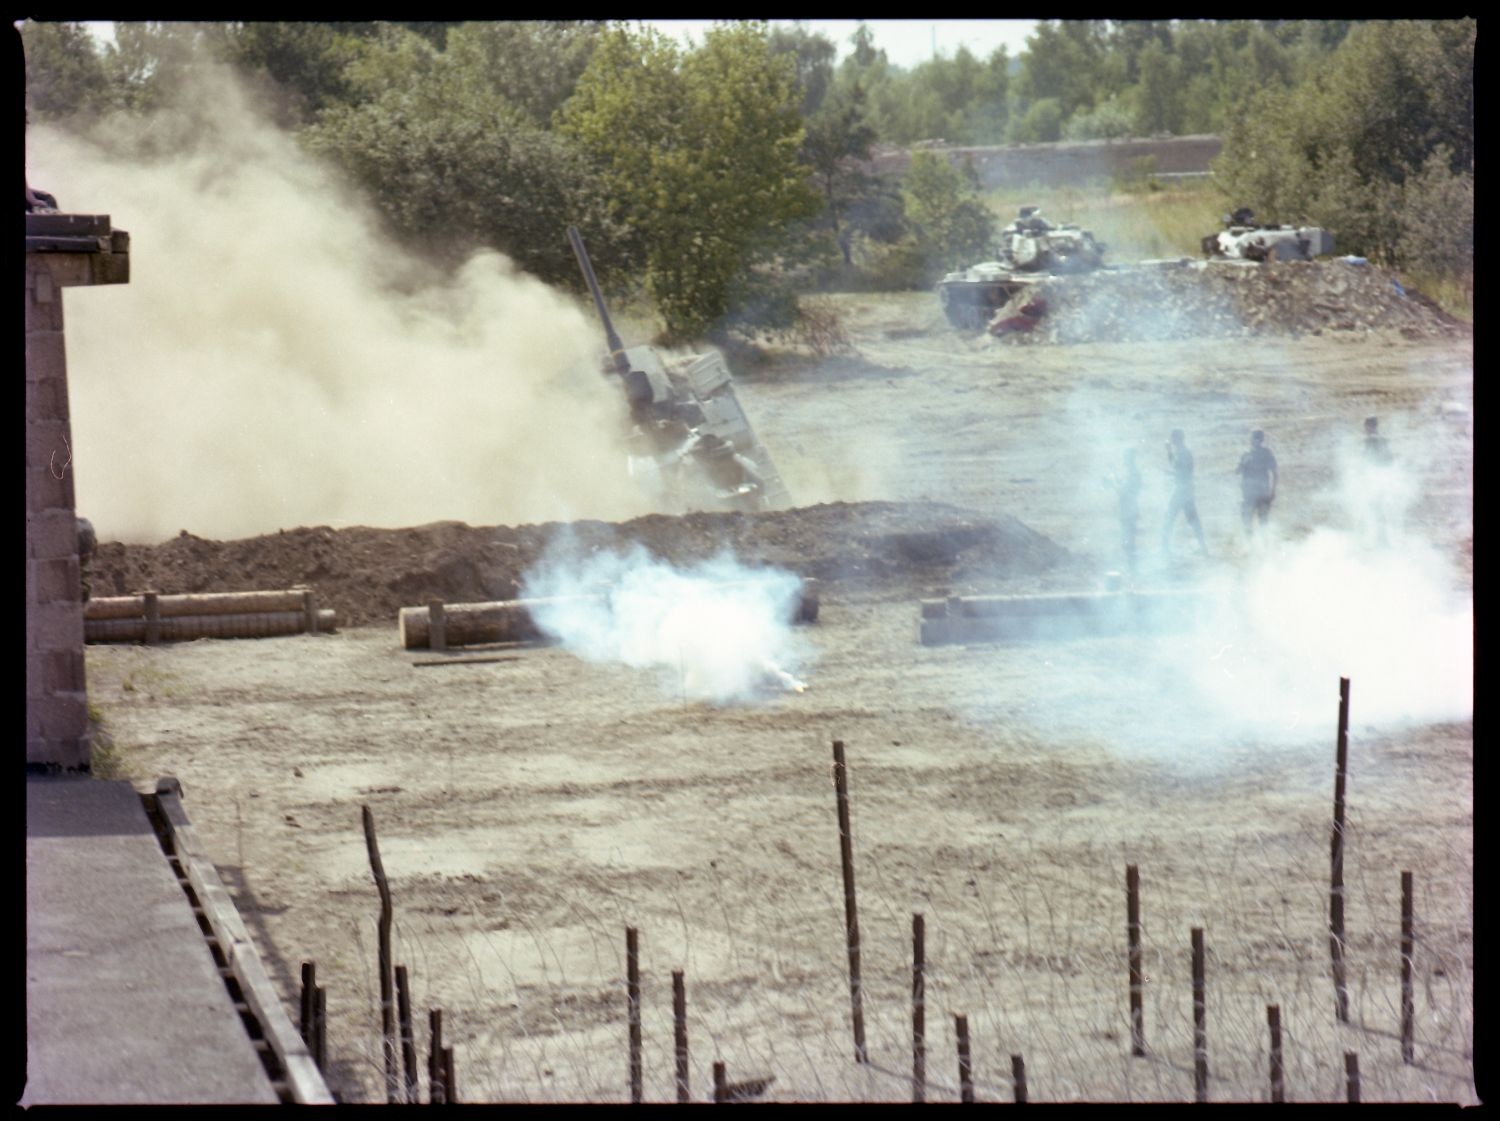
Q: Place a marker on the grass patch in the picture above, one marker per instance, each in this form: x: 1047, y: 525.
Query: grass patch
x: 151, y: 682
x: 1166, y: 222
x: 1452, y: 292
x: 106, y: 760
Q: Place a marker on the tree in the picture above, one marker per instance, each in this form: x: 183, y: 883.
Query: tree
x: 838, y: 139
x: 65, y: 72
x: 152, y: 62
x: 533, y: 64
x: 813, y: 55
x: 698, y: 154
x: 453, y: 165
x: 1060, y: 64
x: 1378, y: 145
x: 950, y: 223
x: 1159, y: 104
x: 305, y: 61
x: 1042, y: 122
x: 1111, y: 119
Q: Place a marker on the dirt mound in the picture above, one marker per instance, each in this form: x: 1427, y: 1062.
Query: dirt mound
x: 367, y: 575
x: 1231, y: 300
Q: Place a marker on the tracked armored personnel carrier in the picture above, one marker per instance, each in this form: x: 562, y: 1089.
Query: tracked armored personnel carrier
x: 1031, y: 250
x: 1242, y: 239
x: 692, y: 446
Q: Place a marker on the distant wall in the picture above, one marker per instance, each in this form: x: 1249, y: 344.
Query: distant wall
x: 1062, y: 164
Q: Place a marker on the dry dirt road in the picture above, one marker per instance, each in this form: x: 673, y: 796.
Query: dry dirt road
x: 530, y: 809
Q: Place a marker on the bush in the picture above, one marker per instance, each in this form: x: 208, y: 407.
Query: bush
x: 1040, y: 124
x: 820, y: 328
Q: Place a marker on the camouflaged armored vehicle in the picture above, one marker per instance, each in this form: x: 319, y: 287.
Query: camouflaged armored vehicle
x: 691, y: 444
x: 1031, y: 250
x: 1242, y: 239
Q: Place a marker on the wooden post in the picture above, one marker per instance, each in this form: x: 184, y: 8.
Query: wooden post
x: 320, y: 1035
x: 851, y: 912
x: 436, y: 1093
x: 1200, y: 1016
x: 1273, y: 1020
x: 633, y: 1009
x: 1018, y: 1078
x: 450, y: 1084
x: 721, y: 1085
x: 309, y: 998
x: 437, y: 626
x: 679, y: 1034
x: 153, y: 619
x: 408, y: 1037
x: 1408, y: 947
x: 965, y: 1067
x: 1351, y: 1076
x: 1336, y: 886
x: 918, y: 1009
x: 1133, y: 940
x: 387, y: 998
x: 309, y: 611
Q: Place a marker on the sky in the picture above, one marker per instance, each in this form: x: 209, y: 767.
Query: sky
x: 906, y: 42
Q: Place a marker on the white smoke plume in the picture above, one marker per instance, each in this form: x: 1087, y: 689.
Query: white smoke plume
x: 275, y: 362
x: 716, y: 631
x: 1366, y: 585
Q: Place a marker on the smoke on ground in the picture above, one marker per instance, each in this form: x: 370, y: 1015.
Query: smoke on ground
x: 1354, y: 576
x: 716, y: 631
x: 274, y: 362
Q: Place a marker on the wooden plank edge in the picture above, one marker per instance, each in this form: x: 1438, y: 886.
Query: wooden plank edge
x: 303, y: 1077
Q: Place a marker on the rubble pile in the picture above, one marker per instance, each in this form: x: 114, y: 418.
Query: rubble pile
x: 1197, y: 299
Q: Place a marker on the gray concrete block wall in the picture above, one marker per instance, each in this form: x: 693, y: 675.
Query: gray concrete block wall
x: 57, y: 727
x: 62, y: 251
x: 1064, y: 163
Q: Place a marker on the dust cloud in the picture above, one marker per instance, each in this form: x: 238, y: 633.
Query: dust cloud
x: 718, y: 631
x: 274, y: 362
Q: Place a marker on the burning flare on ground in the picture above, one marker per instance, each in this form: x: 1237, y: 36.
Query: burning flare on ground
x: 716, y: 631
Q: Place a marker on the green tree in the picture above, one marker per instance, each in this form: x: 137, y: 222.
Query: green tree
x: 836, y: 146
x: 698, y: 154
x: 533, y: 64
x: 65, y: 72
x: 1159, y: 101
x: 453, y: 165
x: 1111, y: 119
x: 305, y: 62
x: 1042, y: 122
x: 1378, y: 145
x: 813, y: 54
x: 948, y: 220
x: 151, y: 63
x: 1061, y: 62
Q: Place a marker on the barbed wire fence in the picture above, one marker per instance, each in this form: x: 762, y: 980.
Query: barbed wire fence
x: 1025, y: 939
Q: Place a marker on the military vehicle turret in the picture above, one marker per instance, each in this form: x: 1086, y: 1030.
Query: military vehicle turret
x: 1243, y: 239
x: 692, y: 447
x: 1031, y: 249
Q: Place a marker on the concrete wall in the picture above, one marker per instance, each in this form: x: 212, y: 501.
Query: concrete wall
x: 1056, y: 165
x: 57, y: 731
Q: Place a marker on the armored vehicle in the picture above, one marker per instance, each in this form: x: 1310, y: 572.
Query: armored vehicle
x: 1242, y: 239
x: 1031, y: 249
x: 692, y: 447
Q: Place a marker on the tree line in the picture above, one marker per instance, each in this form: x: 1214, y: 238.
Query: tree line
x: 721, y: 179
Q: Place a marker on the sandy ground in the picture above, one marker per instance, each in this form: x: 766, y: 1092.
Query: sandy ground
x: 530, y: 809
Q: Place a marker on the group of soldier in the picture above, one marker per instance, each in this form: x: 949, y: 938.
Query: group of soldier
x: 1258, y: 480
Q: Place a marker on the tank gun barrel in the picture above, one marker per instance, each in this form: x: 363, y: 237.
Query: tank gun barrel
x: 612, y: 337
